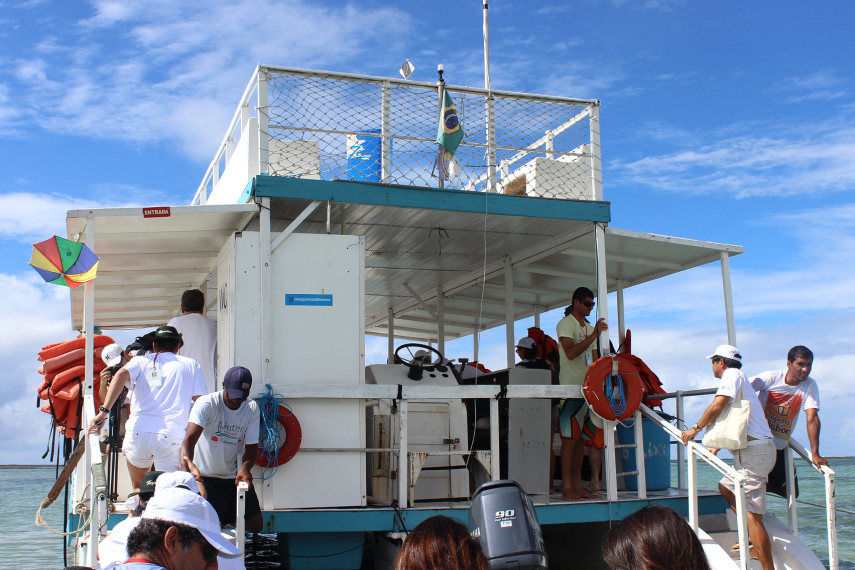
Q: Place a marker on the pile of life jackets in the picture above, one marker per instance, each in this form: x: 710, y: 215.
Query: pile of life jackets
x: 63, y: 368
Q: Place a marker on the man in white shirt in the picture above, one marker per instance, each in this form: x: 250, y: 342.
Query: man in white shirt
x: 783, y: 394
x: 199, y: 333
x: 754, y: 461
x: 222, y: 439
x: 163, y: 386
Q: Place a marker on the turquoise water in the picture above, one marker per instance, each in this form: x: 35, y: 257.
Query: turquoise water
x: 812, y: 526
x: 24, y: 545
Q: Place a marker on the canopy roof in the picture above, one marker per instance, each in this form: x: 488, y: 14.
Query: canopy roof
x: 418, y: 241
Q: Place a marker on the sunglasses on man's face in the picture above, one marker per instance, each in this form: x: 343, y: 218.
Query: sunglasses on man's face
x: 589, y: 304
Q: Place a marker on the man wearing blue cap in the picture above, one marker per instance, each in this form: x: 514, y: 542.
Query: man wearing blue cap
x: 223, y: 427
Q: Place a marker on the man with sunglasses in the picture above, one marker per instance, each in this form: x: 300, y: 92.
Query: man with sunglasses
x: 577, y: 339
x: 222, y: 440
x: 179, y: 530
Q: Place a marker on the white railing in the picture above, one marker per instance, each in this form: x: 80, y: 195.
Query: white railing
x: 332, y: 126
x: 96, y: 482
x: 696, y: 449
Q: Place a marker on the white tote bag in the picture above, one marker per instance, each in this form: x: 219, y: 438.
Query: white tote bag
x: 730, y: 430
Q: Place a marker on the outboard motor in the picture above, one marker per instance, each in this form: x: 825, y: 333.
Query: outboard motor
x: 503, y: 520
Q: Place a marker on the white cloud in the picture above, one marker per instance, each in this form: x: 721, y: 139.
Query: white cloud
x: 29, y: 217
x: 169, y: 71
x: 822, y: 85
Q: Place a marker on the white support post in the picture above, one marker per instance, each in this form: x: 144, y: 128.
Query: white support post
x: 509, y: 312
x: 537, y: 310
x: 390, y: 340
x: 495, y: 464
x: 693, y: 489
x: 610, y: 460
x: 792, y: 514
x: 89, y: 367
x: 403, y: 455
x: 681, y: 450
x: 386, y: 133
x: 265, y: 280
x: 549, y: 145
x: 596, y: 156
x: 621, y: 323
x: 475, y: 344
x: 491, y: 144
x: 742, y: 526
x: 240, y: 521
x: 831, y: 519
x: 263, y: 125
x: 641, y: 477
x: 728, y: 298
x: 440, y: 321
x: 602, y: 284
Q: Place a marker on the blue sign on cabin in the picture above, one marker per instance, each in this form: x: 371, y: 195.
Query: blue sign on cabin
x: 308, y: 299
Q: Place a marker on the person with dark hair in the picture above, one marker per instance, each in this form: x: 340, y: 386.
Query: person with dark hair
x: 440, y: 543
x: 199, y: 333
x: 577, y: 339
x: 754, y: 461
x: 654, y: 538
x: 222, y: 438
x: 783, y: 394
x: 164, y: 385
x: 179, y: 530
x: 526, y: 349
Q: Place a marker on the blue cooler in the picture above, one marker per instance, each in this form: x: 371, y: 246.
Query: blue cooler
x: 364, y: 156
x: 657, y: 455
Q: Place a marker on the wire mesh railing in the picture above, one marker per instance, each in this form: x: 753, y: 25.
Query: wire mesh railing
x: 336, y: 126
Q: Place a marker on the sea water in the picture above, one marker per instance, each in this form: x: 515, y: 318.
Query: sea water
x: 26, y: 546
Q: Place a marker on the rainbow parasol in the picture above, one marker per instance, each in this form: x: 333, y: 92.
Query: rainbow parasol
x: 64, y: 262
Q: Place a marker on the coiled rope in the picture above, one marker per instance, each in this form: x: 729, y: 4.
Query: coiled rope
x: 270, y: 440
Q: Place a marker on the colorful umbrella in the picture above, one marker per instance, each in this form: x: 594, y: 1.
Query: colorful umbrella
x: 64, y: 262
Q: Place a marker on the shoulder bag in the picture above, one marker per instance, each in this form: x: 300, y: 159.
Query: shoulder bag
x: 730, y: 430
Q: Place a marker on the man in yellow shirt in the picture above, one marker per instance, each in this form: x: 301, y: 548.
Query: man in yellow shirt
x: 577, y: 339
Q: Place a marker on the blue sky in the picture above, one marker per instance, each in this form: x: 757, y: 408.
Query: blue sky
x: 726, y: 121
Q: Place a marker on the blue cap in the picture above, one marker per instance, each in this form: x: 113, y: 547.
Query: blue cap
x: 237, y: 382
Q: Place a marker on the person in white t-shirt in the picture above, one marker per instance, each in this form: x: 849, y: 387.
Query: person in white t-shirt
x: 199, y: 333
x: 783, y: 394
x: 163, y: 386
x: 222, y: 439
x: 756, y: 460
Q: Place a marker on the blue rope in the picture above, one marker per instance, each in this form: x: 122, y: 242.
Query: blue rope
x: 269, y: 440
x: 615, y: 395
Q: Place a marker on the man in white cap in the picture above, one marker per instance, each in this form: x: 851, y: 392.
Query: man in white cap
x: 222, y: 439
x: 754, y: 461
x: 526, y: 349
x: 179, y: 530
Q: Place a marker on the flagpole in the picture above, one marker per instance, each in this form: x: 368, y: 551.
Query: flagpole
x: 440, y: 88
x: 488, y: 111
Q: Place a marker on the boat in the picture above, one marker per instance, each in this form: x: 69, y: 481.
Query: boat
x: 318, y: 223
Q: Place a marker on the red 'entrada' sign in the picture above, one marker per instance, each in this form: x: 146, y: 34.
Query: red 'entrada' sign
x: 161, y: 212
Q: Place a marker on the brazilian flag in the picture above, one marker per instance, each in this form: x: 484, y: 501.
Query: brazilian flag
x: 448, y: 137
x: 450, y: 132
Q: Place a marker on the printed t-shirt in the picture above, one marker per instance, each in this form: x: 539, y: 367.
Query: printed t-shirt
x: 782, y: 402
x: 730, y: 382
x: 573, y: 371
x: 164, y: 408
x: 199, y: 334
x: 225, y: 433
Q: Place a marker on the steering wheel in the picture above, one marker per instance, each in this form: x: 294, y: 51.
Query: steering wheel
x: 416, y: 364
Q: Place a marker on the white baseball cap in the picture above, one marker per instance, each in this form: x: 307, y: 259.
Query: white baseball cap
x: 111, y: 354
x: 176, y: 479
x: 185, y: 507
x: 526, y: 342
x: 727, y: 351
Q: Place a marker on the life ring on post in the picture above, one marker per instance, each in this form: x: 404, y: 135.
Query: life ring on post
x: 293, y: 438
x: 601, y: 379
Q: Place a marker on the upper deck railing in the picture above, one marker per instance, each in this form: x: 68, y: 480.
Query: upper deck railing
x: 332, y: 126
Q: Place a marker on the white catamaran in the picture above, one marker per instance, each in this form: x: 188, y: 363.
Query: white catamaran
x: 317, y: 223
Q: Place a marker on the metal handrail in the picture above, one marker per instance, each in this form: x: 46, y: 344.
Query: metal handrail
x: 830, y: 500
x: 97, y: 481
x: 723, y: 468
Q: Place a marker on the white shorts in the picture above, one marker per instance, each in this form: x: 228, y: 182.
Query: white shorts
x: 142, y: 449
x: 754, y: 463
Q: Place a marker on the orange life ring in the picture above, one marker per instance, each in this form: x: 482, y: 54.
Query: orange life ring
x: 595, y: 382
x: 293, y: 438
